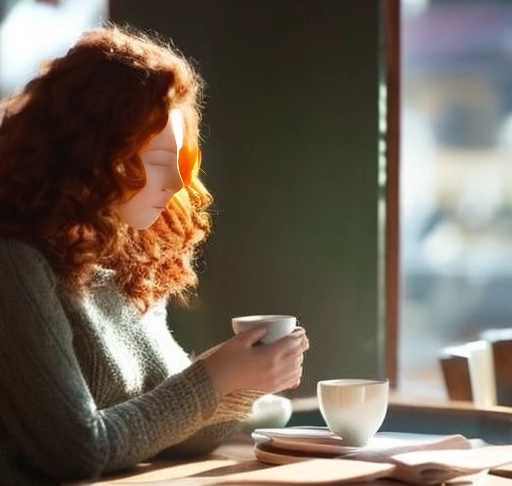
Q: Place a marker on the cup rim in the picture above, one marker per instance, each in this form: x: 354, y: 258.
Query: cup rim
x: 352, y: 382
x: 256, y: 318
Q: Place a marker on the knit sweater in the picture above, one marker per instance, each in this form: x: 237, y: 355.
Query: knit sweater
x: 89, y: 385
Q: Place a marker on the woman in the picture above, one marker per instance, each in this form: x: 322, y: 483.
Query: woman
x: 101, y: 211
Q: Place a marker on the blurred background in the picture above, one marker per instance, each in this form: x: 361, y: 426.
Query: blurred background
x: 456, y: 179
x: 33, y: 30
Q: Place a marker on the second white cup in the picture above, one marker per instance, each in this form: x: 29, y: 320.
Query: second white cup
x: 353, y: 408
x: 278, y: 325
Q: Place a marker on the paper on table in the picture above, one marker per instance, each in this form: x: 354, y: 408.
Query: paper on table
x: 437, y: 466
x: 427, y: 462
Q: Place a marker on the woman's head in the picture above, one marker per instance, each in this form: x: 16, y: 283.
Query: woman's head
x: 71, y: 145
x: 77, y: 130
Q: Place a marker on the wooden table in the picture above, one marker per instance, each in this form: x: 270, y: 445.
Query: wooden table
x: 233, y: 457
x: 237, y: 456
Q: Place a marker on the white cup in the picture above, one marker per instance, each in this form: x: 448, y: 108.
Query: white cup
x: 278, y: 326
x: 353, y: 408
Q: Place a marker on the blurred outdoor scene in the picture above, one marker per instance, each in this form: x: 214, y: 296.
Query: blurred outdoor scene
x: 456, y: 180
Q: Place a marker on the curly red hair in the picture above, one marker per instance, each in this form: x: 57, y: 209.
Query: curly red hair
x: 69, y: 152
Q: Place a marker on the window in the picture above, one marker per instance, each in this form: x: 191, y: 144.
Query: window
x: 456, y: 181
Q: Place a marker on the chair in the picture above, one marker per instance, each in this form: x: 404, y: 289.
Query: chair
x: 455, y: 369
x: 469, y: 372
x: 500, y: 341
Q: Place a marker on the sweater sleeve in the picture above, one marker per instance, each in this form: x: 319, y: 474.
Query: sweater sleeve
x: 226, y: 420
x: 46, y: 406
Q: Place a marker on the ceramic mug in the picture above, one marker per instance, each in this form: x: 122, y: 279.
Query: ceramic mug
x: 353, y: 408
x: 278, y: 325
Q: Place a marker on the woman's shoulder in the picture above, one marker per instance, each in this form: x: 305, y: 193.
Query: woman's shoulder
x: 17, y: 256
x: 15, y: 247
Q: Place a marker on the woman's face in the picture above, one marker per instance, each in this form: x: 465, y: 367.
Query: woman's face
x: 160, y: 159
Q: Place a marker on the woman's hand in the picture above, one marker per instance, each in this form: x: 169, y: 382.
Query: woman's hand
x: 239, y: 363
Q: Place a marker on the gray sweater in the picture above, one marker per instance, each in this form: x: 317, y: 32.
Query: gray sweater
x: 90, y: 386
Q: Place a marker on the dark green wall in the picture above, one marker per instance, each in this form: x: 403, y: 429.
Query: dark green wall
x: 290, y: 154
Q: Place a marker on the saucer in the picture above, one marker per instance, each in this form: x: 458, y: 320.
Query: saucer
x: 302, y: 439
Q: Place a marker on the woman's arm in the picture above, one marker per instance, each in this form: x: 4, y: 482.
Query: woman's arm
x: 46, y: 406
